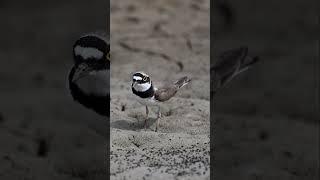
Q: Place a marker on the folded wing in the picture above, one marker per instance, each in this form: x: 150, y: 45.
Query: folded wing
x: 165, y: 93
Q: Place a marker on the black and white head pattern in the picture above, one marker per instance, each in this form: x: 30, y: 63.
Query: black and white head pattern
x: 92, y: 47
x: 89, y: 78
x: 142, y: 85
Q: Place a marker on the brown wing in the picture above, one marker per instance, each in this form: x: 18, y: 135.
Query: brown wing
x: 165, y: 93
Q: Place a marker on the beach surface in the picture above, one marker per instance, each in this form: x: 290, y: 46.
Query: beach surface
x: 167, y: 40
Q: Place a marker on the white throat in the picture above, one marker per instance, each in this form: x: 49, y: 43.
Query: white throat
x: 142, y: 87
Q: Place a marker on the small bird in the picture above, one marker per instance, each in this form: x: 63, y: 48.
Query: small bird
x: 149, y: 95
x: 230, y: 64
x: 89, y: 78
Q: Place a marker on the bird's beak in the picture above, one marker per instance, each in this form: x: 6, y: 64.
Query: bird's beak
x: 134, y: 83
x: 81, y: 71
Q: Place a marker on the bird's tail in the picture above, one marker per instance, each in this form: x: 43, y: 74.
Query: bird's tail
x: 231, y: 64
x: 249, y: 61
x: 182, y: 82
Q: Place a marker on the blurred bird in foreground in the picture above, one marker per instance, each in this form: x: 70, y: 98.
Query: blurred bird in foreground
x: 89, y: 78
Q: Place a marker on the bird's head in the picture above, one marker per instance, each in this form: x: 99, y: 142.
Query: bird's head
x: 91, y: 54
x: 141, y: 81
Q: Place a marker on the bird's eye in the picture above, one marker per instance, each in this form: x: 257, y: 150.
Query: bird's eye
x: 145, y: 78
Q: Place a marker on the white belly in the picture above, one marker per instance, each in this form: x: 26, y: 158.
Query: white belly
x: 147, y: 101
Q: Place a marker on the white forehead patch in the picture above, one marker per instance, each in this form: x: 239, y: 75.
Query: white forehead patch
x: 137, y: 78
x: 88, y: 52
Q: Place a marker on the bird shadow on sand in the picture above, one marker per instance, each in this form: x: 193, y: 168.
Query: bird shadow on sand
x: 129, y: 125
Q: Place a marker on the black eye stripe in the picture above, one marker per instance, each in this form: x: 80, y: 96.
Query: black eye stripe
x: 138, y: 74
x: 139, y: 81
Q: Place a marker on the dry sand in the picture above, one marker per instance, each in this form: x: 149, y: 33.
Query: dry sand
x: 167, y: 40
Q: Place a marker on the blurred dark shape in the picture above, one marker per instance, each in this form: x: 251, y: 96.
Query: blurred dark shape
x: 189, y: 44
x: 288, y: 154
x: 1, y: 118
x: 195, y: 6
x: 263, y: 135
x: 39, y: 79
x: 131, y: 8
x: 43, y: 147
x: 180, y: 65
x: 226, y: 11
x: 132, y: 19
x: 157, y: 28
x: 228, y: 65
x: 123, y: 107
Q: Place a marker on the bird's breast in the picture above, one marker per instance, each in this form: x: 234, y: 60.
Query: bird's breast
x: 96, y: 83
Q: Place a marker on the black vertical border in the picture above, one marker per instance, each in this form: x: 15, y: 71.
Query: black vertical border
x: 108, y: 119
x: 317, y: 84
x: 212, y: 122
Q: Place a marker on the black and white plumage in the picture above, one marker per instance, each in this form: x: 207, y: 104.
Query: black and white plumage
x: 230, y: 64
x: 89, y: 78
x: 149, y: 95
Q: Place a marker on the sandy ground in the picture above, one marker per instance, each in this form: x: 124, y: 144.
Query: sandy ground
x: 158, y: 37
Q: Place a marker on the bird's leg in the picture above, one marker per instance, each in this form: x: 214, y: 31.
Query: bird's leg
x: 145, y: 121
x: 158, y: 119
